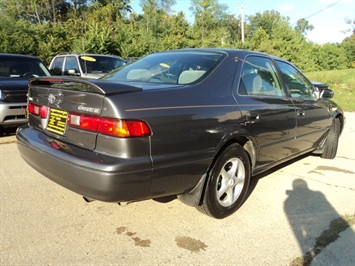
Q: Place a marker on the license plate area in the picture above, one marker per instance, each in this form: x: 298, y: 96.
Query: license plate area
x: 57, y: 121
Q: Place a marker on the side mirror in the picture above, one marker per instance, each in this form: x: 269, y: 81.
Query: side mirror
x: 327, y: 94
x: 72, y: 72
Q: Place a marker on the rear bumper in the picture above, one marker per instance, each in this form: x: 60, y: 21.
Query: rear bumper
x: 85, y: 172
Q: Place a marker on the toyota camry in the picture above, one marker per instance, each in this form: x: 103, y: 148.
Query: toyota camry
x: 191, y: 123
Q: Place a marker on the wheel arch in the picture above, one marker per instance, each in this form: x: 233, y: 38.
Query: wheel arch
x: 246, y: 142
x: 194, y: 197
x: 340, y: 115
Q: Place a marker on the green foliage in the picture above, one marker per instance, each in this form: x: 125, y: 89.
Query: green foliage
x: 303, y: 26
x: 52, y: 39
x: 267, y: 20
x: 209, y: 18
x: 47, y: 27
x: 348, y: 45
x: 330, y: 57
x: 17, y: 37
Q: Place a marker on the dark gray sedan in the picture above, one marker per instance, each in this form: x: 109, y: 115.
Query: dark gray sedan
x: 195, y: 123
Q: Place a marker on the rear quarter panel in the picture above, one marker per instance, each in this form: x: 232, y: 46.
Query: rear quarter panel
x: 189, y: 124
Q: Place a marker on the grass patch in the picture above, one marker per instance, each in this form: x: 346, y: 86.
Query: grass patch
x: 343, y: 84
x: 327, y: 237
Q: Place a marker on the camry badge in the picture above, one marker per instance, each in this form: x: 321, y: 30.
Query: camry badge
x: 89, y: 109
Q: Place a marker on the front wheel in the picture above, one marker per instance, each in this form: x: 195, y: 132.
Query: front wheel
x: 227, y: 184
x: 331, y: 143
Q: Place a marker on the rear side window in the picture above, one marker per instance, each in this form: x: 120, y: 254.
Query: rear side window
x: 259, y: 78
x: 183, y: 67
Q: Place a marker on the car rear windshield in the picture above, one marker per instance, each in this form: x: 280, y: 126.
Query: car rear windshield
x: 185, y: 67
x: 15, y: 67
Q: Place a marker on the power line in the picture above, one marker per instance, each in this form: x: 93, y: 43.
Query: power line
x: 323, y: 9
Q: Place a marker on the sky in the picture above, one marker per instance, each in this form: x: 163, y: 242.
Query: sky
x: 327, y: 16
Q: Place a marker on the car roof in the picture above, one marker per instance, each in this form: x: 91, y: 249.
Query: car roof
x: 226, y: 50
x: 80, y: 54
x: 3, y: 55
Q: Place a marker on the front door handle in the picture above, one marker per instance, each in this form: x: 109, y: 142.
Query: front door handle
x: 301, y: 112
x: 252, y: 117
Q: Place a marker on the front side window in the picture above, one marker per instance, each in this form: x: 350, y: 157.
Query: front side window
x: 71, y: 64
x: 259, y: 78
x: 183, y: 67
x: 297, y: 84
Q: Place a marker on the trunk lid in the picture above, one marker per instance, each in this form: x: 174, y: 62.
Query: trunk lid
x: 63, y: 96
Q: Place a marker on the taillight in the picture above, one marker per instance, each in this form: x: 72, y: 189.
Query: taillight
x: 109, y: 126
x: 137, y: 128
x: 123, y: 128
x: 112, y: 128
x: 37, y: 110
x: 84, y: 122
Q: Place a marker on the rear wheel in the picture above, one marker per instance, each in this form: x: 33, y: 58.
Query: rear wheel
x: 331, y: 144
x: 227, y: 184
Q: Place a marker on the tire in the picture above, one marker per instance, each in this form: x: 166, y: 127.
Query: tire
x: 227, y: 184
x: 331, y: 143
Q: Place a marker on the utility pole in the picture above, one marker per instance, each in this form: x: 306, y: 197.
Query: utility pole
x: 242, y: 21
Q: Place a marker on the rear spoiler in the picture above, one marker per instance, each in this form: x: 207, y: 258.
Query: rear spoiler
x: 79, y: 84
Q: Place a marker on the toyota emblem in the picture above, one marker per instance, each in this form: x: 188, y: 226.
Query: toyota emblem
x: 55, y: 99
x: 51, y: 98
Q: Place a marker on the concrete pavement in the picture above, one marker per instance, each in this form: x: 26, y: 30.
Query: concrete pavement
x: 286, y: 211
x: 7, y: 139
x: 339, y: 253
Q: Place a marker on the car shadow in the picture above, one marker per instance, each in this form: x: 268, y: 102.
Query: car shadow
x: 255, y: 179
x: 7, y: 132
x: 165, y: 199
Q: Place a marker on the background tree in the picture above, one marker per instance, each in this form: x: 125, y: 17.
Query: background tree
x: 266, y: 20
x: 348, y: 45
x: 303, y: 26
x: 45, y: 28
x: 209, y: 18
x: 18, y: 37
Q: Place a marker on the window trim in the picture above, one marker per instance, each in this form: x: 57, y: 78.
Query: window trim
x: 274, y: 72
